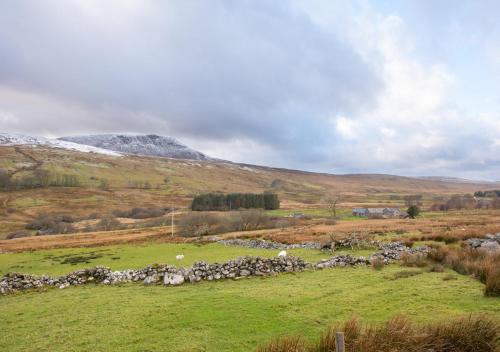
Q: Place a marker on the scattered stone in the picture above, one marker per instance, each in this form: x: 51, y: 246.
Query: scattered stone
x: 341, y: 260
x: 490, y: 242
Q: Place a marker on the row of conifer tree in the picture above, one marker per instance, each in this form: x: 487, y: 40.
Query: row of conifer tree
x: 234, y: 201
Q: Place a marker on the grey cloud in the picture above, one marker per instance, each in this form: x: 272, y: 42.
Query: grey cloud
x: 213, y: 70
x: 228, y: 75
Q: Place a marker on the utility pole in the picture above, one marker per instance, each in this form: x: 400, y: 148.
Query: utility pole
x: 172, y: 224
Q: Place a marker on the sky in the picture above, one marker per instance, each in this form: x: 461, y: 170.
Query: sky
x: 400, y: 87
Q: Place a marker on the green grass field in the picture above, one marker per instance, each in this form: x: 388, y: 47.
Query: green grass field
x: 62, y: 261
x: 214, y: 316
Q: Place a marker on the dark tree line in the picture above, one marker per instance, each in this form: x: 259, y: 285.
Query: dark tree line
x: 492, y: 193
x: 234, y: 201
x: 38, y: 179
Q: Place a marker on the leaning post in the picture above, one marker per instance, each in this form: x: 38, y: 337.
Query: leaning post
x: 339, y: 342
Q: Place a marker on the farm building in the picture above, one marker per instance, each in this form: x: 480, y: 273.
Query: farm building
x: 359, y: 211
x: 379, y: 213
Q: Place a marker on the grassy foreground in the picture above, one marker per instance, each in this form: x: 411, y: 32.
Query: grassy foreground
x: 217, y: 316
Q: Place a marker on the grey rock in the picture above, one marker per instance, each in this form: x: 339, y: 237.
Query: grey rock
x: 173, y: 279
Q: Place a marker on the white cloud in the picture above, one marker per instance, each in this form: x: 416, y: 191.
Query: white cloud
x: 346, y: 127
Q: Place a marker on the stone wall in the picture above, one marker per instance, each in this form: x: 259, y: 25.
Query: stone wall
x: 156, y: 274
x: 263, y: 244
x: 200, y: 271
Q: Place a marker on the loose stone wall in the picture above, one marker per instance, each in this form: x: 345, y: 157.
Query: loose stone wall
x: 391, y: 252
x: 263, y: 244
x: 156, y: 274
x: 170, y: 275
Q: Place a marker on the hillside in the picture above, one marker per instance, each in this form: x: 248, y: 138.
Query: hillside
x: 183, y: 178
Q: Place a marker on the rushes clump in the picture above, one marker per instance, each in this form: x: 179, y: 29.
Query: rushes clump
x: 466, y: 334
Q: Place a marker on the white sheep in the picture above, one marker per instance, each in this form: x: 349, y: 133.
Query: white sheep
x: 179, y: 256
x: 282, y: 254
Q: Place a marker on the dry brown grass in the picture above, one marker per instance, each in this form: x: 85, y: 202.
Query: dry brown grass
x: 301, y: 190
x: 453, y: 225
x: 92, y: 239
x: 471, y: 334
x: 414, y: 260
x: 284, y: 343
x: 481, y: 264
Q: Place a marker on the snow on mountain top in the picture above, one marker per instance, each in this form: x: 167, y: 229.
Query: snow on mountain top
x: 140, y: 144
x: 11, y: 139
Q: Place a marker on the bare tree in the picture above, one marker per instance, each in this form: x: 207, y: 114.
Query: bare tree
x: 413, y: 199
x: 332, y: 200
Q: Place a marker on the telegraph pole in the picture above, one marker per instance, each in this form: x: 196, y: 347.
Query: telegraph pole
x: 172, y: 224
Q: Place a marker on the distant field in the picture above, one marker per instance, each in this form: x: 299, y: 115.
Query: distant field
x: 217, y: 316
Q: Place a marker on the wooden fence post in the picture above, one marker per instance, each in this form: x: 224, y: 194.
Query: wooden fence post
x: 339, y: 342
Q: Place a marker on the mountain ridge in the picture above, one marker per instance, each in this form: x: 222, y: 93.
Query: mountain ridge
x: 13, y: 139
x: 139, y: 144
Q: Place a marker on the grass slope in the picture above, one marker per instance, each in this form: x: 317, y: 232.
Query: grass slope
x: 226, y: 316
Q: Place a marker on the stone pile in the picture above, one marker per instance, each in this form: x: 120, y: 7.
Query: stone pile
x: 341, y: 260
x: 490, y: 242
x: 166, y: 274
x: 390, y: 252
x: 263, y: 244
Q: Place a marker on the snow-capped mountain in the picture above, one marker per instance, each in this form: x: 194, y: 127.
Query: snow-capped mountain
x: 151, y: 145
x: 12, y: 139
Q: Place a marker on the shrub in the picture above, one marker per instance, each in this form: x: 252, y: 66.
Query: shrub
x: 492, y: 287
x: 436, y: 268
x: 413, y: 211
x: 108, y: 223
x: 377, y: 263
x: 413, y: 259
x: 251, y: 220
x: 93, y: 216
x: 198, y: 224
x: 408, y: 242
x: 52, y: 224
x: 18, y: 234
x: 140, y: 213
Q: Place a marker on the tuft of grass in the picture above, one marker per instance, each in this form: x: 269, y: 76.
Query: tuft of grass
x: 471, y: 334
x: 479, y: 263
x: 284, y: 344
x: 418, y: 260
x: 492, y: 287
x: 449, y: 277
x: 377, y: 264
x: 405, y: 274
